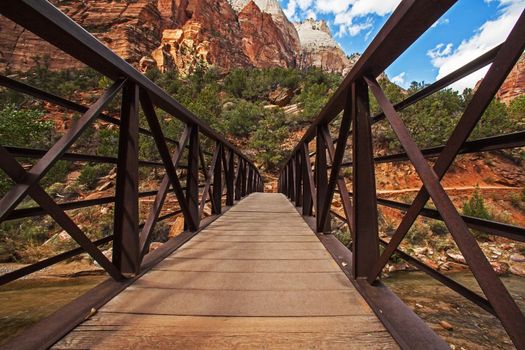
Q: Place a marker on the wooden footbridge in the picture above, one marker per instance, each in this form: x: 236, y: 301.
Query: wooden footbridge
x: 259, y: 270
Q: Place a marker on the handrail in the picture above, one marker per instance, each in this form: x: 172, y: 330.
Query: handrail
x: 360, y: 205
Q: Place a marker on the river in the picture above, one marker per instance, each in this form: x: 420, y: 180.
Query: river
x: 26, y: 301
x: 473, y: 327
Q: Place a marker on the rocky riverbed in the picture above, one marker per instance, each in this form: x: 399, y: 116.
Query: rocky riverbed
x: 460, y: 322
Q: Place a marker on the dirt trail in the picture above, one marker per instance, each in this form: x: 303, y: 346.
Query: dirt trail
x: 453, y: 188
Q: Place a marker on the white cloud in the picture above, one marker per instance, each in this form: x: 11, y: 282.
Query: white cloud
x: 331, y: 6
x: 439, y: 52
x: 399, y: 79
x: 489, y: 35
x: 351, y: 17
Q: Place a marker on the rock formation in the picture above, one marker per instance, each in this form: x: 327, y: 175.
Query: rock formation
x: 128, y: 28
x: 514, y: 85
x: 319, y: 49
x: 274, y: 9
x: 263, y: 42
x: 208, y: 33
x: 181, y: 34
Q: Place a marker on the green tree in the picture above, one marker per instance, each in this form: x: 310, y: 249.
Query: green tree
x: 268, y: 140
x: 24, y: 127
x: 242, y: 118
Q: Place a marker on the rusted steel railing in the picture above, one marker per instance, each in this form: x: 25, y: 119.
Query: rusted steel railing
x: 312, y: 183
x: 230, y: 176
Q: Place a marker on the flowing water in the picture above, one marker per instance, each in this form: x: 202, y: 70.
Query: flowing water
x: 473, y: 328
x: 25, y: 302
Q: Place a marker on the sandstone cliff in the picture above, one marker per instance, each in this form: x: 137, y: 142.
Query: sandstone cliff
x: 319, y: 49
x: 207, y: 33
x: 264, y: 43
x: 129, y: 29
x: 274, y: 9
x: 514, y: 86
x: 181, y: 34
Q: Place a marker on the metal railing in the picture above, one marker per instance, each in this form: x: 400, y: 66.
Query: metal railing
x: 229, y: 177
x: 309, y: 183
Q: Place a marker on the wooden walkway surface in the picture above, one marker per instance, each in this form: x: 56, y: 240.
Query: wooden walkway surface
x: 256, y: 278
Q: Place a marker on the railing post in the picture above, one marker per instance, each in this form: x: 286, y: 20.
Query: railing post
x: 321, y: 180
x: 126, y: 245
x: 230, y: 178
x: 249, y: 185
x: 242, y: 175
x: 192, y: 178
x: 365, y: 228
x: 298, y: 180
x: 217, y: 183
x: 238, y: 179
x: 291, y: 180
x: 307, y: 181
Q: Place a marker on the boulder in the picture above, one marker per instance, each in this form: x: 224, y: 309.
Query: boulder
x: 281, y: 96
x: 500, y: 268
x: 177, y: 228
x: 155, y: 245
x: 456, y: 256
x: 516, y: 257
x: 518, y: 269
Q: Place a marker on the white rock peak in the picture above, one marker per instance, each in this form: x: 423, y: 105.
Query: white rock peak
x: 315, y: 34
x: 271, y: 7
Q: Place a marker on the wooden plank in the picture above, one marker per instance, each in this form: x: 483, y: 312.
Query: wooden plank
x: 254, y: 266
x: 116, y: 331
x: 245, y: 281
x: 239, y: 303
x: 249, y: 254
x: 255, y: 245
x: 220, y: 237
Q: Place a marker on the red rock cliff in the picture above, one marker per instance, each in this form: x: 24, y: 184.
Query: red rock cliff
x: 263, y: 42
x: 514, y: 86
x: 129, y: 29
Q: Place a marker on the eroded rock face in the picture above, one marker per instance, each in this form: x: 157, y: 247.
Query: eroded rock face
x: 181, y: 34
x: 274, y: 9
x: 129, y: 29
x: 319, y: 49
x: 514, y: 85
x: 208, y: 34
x: 263, y: 42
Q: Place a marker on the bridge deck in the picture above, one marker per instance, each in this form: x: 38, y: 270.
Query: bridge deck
x: 257, y: 277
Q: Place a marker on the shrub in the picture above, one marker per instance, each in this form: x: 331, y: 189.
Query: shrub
x: 475, y: 207
x: 438, y: 228
x: 90, y: 174
x: 417, y: 233
x: 242, y: 118
x: 23, y: 127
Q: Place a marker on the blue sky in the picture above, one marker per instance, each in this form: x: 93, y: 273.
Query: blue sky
x: 467, y: 30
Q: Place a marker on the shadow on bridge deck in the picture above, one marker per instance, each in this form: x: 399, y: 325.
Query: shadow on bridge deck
x: 258, y: 277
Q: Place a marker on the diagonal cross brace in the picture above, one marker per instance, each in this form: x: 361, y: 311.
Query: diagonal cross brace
x: 9, y: 202
x: 498, y: 296
x: 16, y: 172
x: 171, y: 170
x: 209, y: 178
x: 151, y: 221
x: 341, y: 183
